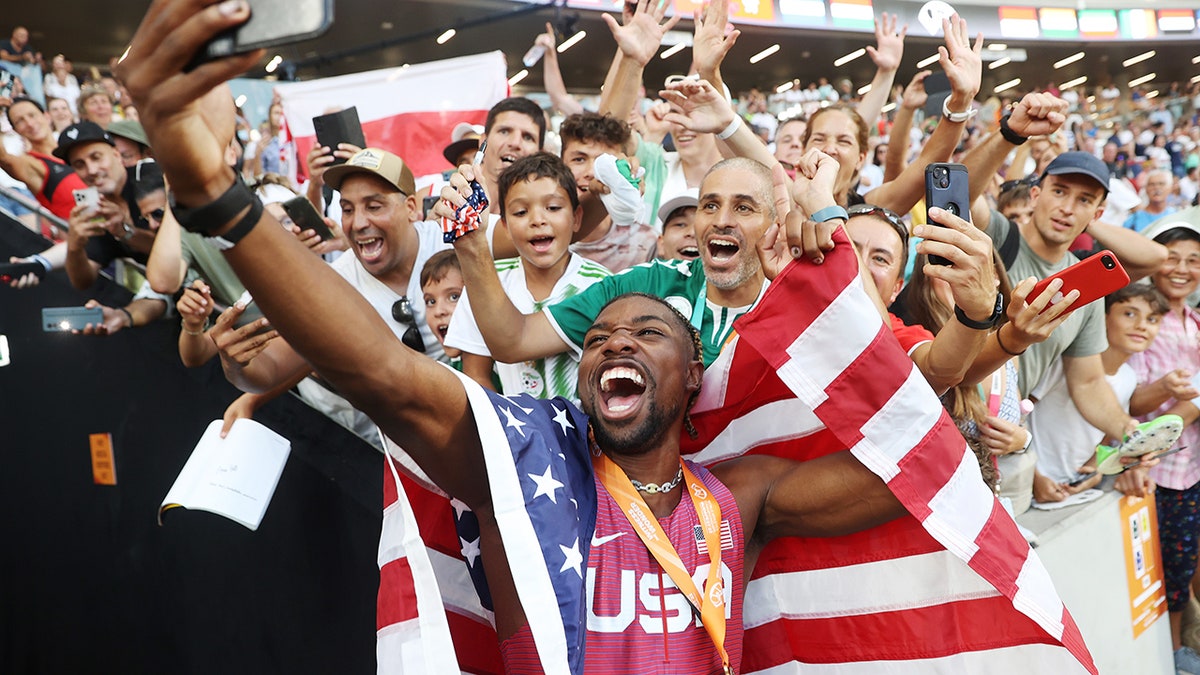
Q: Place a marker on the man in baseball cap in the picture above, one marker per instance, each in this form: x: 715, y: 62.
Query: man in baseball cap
x: 380, y: 163
x: 464, y: 143
x: 1081, y: 164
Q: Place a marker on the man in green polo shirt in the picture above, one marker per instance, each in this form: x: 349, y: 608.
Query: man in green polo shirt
x: 736, y: 206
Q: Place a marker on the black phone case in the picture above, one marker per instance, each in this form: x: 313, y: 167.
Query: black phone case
x: 954, y: 195
x: 305, y: 215
x: 339, y: 127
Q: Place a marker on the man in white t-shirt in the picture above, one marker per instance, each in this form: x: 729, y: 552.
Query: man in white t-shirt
x: 380, y: 220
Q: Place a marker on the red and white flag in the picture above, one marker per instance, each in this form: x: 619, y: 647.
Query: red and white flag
x: 953, y: 587
x: 409, y: 111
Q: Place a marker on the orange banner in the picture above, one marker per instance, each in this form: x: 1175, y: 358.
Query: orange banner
x: 1143, y: 562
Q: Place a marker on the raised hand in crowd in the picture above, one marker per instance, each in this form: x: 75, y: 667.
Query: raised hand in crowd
x: 1032, y: 320
x: 641, y: 35
x: 712, y: 40
x: 888, y: 50
x: 970, y: 274
x: 962, y: 63
x: 318, y: 160
x: 195, y: 305
x: 697, y: 106
x: 887, y: 53
x: 657, y: 126
x: 809, y: 192
x: 914, y: 96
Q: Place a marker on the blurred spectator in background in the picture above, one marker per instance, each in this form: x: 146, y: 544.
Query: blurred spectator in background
x: 20, y: 59
x: 1159, y: 184
x: 61, y: 116
x: 60, y: 83
x: 96, y: 105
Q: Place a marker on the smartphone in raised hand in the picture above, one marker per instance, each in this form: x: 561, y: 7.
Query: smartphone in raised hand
x: 947, y: 187
x: 1094, y: 278
x: 272, y: 23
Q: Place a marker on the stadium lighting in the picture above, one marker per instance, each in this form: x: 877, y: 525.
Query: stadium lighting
x: 672, y: 51
x: 841, y: 61
x: 1142, y: 80
x: 764, y: 53
x: 1068, y: 61
x: 445, y: 37
x: 999, y: 62
x: 1005, y: 86
x: 572, y: 41
x: 1138, y: 59
x: 524, y: 73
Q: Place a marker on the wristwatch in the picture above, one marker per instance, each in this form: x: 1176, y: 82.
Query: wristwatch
x: 128, y: 232
x: 988, y: 323
x: 956, y: 117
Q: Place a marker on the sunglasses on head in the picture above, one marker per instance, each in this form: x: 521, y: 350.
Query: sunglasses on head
x: 1028, y: 181
x: 402, y: 312
x: 889, y: 215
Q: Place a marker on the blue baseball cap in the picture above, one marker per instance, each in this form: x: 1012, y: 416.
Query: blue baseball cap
x: 1082, y: 163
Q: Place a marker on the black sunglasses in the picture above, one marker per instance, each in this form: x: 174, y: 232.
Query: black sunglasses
x: 402, y: 312
x: 889, y: 215
x: 1028, y: 181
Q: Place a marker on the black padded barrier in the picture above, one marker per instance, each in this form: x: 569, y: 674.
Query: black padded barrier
x: 89, y: 583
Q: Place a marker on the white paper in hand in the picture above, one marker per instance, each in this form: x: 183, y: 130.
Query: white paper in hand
x: 233, y: 476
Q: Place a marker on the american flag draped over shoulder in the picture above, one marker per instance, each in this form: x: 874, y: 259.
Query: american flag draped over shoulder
x: 545, y: 505
x: 954, y: 587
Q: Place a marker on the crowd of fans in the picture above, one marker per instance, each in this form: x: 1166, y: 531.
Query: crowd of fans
x: 1055, y: 176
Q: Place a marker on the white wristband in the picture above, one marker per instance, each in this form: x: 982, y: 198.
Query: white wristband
x: 731, y: 129
x: 959, y: 116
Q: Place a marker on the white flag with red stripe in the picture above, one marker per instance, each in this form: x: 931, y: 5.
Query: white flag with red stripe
x: 953, y: 588
x: 409, y: 111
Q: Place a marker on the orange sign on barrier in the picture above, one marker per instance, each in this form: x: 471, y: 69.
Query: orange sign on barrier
x: 104, y: 471
x: 1143, y: 562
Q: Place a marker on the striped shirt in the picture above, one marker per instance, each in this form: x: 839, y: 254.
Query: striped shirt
x: 1177, y: 345
x: 541, y: 378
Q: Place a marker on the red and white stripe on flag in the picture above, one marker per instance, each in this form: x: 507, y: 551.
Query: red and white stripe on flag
x: 953, y: 587
x: 428, y: 618
x: 407, y: 111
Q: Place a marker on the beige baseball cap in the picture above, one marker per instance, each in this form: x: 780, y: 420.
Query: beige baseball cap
x: 379, y: 162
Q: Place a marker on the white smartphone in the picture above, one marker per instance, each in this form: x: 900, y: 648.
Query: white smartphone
x: 88, y: 197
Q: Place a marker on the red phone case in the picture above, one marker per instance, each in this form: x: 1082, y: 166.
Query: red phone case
x: 1094, y: 277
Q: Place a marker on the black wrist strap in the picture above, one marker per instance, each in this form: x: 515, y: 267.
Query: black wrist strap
x: 215, y: 214
x: 235, y: 234
x: 1010, y: 135
x: 987, y: 324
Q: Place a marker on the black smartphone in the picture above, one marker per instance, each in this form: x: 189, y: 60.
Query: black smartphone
x: 1081, y: 478
x: 67, y: 319
x: 946, y: 188
x: 339, y: 127
x: 12, y: 271
x: 428, y: 203
x: 305, y: 215
x: 271, y: 23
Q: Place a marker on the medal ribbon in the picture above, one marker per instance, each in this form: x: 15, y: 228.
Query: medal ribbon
x: 709, y: 605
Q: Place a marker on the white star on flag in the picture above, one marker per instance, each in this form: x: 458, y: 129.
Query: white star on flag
x: 573, y: 558
x: 459, y: 508
x: 513, y: 421
x: 470, y: 550
x: 560, y: 418
x: 546, y: 485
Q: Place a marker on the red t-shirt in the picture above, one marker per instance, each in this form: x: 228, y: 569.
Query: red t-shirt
x: 909, y: 336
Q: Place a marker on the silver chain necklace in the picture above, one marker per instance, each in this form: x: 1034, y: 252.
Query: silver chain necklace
x: 654, y: 488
